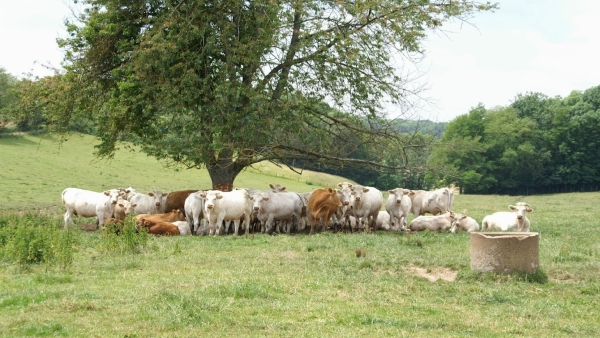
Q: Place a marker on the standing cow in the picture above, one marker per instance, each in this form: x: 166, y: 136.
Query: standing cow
x: 434, y: 202
x: 176, y: 200
x: 366, y: 203
x: 322, y: 203
x: 194, y: 212
x: 228, y: 206
x: 86, y: 203
x: 278, y: 206
x: 398, y: 206
x: 508, y: 221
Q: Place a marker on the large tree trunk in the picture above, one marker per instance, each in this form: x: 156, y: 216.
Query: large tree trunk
x: 223, y: 173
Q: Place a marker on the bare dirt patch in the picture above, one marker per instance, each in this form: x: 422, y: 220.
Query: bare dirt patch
x: 433, y: 274
x: 88, y: 226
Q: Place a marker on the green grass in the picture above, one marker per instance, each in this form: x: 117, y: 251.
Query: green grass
x: 295, y: 286
x: 36, y: 168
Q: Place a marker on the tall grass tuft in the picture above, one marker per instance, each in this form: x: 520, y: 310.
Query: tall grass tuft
x: 35, y: 239
x: 124, y: 238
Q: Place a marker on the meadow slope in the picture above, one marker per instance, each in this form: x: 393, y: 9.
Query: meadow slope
x: 36, y: 169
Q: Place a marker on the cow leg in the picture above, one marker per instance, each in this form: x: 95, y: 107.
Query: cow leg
x: 68, y: 217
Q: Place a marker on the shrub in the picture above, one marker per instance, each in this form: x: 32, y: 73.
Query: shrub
x: 34, y: 239
x: 124, y: 238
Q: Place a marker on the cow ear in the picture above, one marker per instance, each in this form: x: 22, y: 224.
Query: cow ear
x: 391, y: 192
x: 283, y: 188
x: 411, y: 192
x: 271, y: 185
x: 219, y: 196
x: 265, y: 198
x: 512, y: 207
x: 134, y: 205
x: 121, y: 205
x: 339, y: 185
x: 107, y: 193
x: 150, y: 194
x: 365, y: 189
x: 529, y: 209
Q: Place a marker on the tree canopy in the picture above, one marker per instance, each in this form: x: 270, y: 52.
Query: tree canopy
x: 537, y: 144
x: 229, y: 83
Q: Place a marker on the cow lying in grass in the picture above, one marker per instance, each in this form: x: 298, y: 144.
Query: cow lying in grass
x: 508, y: 221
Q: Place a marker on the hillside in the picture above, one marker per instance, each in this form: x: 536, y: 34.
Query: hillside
x: 36, y: 168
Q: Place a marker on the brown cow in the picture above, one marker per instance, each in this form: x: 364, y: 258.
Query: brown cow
x: 176, y: 200
x: 322, y: 203
x: 160, y: 228
x: 175, y: 215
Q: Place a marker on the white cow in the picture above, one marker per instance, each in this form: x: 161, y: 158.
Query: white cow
x: 86, y: 203
x: 123, y: 208
x: 127, y: 192
x: 462, y: 222
x: 228, y: 206
x: 434, y: 202
x: 398, y: 206
x: 150, y: 203
x: 194, y: 211
x: 383, y: 220
x: 441, y: 222
x: 508, y: 221
x: 278, y: 206
x: 366, y: 204
x: 277, y: 188
x: 184, y: 227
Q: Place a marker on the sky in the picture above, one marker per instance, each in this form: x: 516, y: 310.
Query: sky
x: 546, y: 46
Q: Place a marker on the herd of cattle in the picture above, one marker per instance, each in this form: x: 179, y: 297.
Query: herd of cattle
x: 351, y: 207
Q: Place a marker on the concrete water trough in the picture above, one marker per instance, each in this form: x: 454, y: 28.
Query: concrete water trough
x: 505, y: 251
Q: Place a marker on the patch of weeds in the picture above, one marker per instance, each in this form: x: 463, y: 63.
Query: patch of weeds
x: 590, y: 290
x: 180, y: 309
x: 467, y: 274
x: 34, y: 239
x: 51, y: 280
x: 247, y: 290
x: 44, y: 330
x: 566, y: 255
x: 315, y: 247
x: 365, y: 265
x: 124, y: 238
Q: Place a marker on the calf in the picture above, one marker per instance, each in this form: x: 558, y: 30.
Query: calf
x: 508, y: 221
x: 464, y: 223
x: 441, y: 222
x: 86, y: 203
x: 398, y: 206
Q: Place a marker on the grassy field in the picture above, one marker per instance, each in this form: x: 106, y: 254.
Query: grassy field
x: 35, y: 169
x: 291, y: 286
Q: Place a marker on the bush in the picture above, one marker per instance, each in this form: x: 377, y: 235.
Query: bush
x: 124, y: 238
x: 34, y: 239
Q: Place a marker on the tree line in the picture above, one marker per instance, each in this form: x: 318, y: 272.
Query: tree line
x: 537, y: 144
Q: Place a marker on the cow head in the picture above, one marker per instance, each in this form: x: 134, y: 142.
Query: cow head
x: 457, y: 221
x: 358, y: 192
x: 211, y: 198
x: 258, y: 201
x: 113, y: 195
x: 521, y: 209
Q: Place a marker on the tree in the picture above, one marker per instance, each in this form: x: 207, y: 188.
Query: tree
x: 7, y: 96
x: 225, y: 84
